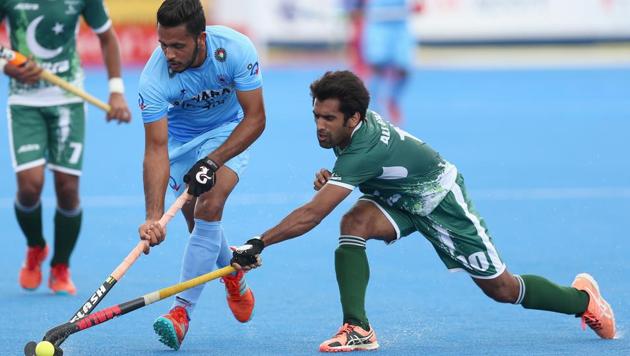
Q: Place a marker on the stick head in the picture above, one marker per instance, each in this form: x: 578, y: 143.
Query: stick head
x: 29, y: 348
x: 15, y: 58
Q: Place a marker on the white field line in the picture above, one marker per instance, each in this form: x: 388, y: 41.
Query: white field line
x: 280, y: 198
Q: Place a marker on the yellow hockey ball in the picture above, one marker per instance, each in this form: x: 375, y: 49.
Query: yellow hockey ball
x: 44, y: 348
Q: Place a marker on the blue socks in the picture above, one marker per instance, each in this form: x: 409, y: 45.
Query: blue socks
x: 206, y: 248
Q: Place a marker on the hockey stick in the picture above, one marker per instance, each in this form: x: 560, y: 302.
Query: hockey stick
x: 122, y: 268
x: 18, y: 59
x: 61, y: 332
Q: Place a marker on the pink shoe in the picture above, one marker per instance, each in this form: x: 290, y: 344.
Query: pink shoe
x: 350, y: 338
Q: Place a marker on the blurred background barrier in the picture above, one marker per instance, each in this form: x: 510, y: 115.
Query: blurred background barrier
x: 322, y: 26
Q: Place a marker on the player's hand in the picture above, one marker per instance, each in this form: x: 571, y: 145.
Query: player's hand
x: 120, y: 110
x: 247, y: 257
x: 321, y: 178
x: 201, y: 177
x: 153, y: 232
x: 28, y: 73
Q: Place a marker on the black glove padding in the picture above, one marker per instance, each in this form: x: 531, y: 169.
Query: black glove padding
x: 247, y: 254
x: 201, y: 177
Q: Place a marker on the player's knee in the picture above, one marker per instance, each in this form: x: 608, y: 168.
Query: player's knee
x: 209, y: 209
x: 354, y: 224
x: 29, y: 193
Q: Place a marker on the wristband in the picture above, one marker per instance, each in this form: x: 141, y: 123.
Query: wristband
x: 212, y: 164
x: 3, y: 63
x: 116, y: 85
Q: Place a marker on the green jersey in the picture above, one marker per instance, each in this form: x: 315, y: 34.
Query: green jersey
x: 398, y: 168
x: 47, y: 31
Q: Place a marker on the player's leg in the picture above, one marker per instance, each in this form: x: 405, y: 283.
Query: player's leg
x: 401, y: 63
x: 66, y: 127
x: 366, y: 220
x: 27, y: 138
x: 463, y: 242
x: 376, y: 47
x: 207, y: 243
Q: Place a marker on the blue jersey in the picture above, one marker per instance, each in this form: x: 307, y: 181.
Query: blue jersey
x: 200, y: 99
x: 387, y: 10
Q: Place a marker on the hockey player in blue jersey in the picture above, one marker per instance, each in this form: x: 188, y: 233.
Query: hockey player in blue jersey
x: 201, y: 100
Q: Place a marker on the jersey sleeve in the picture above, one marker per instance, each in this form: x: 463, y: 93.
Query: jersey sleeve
x: 353, y: 169
x: 245, y: 65
x: 151, y: 99
x: 96, y: 16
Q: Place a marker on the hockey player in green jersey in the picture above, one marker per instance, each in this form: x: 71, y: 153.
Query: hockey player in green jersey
x: 407, y: 187
x: 46, y: 124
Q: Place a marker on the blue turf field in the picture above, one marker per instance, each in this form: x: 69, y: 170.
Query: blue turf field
x: 545, y: 156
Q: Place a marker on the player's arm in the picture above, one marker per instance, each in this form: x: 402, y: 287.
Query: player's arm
x: 155, y: 177
x: 297, y: 223
x: 111, y: 56
x: 247, y: 131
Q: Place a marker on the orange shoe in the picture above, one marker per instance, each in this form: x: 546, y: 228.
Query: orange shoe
x: 598, y: 315
x: 172, y: 327
x: 31, y: 272
x: 240, y: 298
x: 350, y: 338
x: 59, y: 280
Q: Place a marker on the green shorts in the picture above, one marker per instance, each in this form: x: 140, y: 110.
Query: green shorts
x: 458, y: 234
x: 50, y: 134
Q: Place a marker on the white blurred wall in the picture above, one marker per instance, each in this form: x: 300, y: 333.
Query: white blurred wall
x: 322, y: 21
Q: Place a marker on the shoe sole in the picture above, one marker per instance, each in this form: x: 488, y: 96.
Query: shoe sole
x: 165, y: 330
x: 369, y: 347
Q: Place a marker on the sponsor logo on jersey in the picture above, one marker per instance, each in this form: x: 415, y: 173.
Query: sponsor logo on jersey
x: 71, y: 10
x: 207, y: 99
x: 26, y: 6
x: 28, y: 148
x: 220, y: 54
x: 141, y: 103
x: 253, y: 68
x: 173, y: 184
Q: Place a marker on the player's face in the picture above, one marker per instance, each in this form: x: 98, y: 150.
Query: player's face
x: 332, y: 131
x: 181, y: 48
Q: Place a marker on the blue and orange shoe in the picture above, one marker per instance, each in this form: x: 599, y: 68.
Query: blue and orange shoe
x: 31, y: 272
x: 172, y: 327
x: 59, y: 280
x: 239, y: 297
x: 350, y: 338
x: 599, y: 315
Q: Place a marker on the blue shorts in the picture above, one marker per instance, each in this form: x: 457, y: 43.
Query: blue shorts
x: 388, y: 44
x: 183, y: 155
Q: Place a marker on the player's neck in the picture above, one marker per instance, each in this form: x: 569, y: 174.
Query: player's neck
x: 201, y: 56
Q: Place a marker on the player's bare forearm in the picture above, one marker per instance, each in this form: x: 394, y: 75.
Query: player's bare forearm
x: 155, y: 167
x: 111, y: 53
x: 155, y: 177
x: 247, y: 131
x: 299, y: 222
x: 306, y: 217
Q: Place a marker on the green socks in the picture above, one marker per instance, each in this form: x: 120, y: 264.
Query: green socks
x: 30, y: 221
x: 67, y: 226
x: 542, y: 294
x: 353, y: 274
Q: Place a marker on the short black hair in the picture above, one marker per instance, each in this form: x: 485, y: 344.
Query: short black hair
x: 173, y: 13
x: 347, y: 88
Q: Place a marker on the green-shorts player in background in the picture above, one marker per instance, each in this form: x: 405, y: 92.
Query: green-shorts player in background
x: 407, y: 187
x: 47, y: 125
